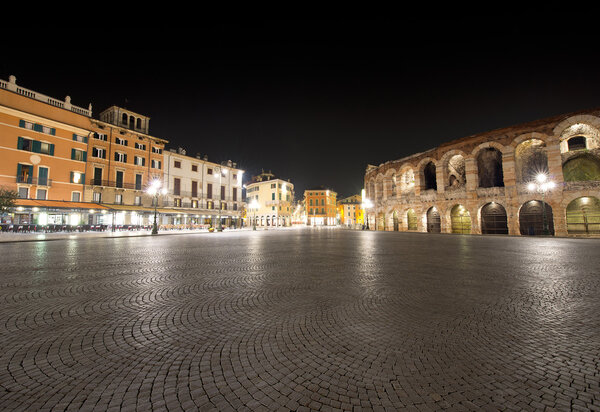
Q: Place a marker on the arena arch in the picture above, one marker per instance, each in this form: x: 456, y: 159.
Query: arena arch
x: 583, y: 216
x: 494, y: 220
x: 531, y: 159
x: 536, y: 218
x: 434, y: 221
x: 460, y: 220
x: 488, y: 159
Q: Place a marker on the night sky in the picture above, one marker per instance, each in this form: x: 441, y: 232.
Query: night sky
x: 315, y: 101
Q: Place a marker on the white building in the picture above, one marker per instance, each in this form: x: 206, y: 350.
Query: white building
x: 270, y: 201
x: 199, y: 192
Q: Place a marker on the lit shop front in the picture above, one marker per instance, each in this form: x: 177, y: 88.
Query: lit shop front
x: 52, y: 213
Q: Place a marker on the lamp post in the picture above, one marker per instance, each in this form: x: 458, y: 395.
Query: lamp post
x: 254, y: 206
x: 155, y: 191
x: 367, y: 204
x: 542, y: 185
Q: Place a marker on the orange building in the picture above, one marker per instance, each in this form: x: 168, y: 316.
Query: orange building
x: 71, y: 169
x: 321, y: 207
x: 350, y: 211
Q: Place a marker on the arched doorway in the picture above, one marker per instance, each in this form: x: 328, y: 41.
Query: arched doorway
x: 535, y: 218
x: 493, y: 219
x: 395, y: 222
x: 460, y: 220
x: 411, y: 218
x: 434, y: 223
x: 380, y: 222
x: 429, y: 177
x: 583, y: 216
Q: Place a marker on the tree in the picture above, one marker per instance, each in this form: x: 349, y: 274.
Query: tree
x: 7, y: 199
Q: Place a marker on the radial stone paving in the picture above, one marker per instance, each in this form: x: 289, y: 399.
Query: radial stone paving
x: 298, y: 320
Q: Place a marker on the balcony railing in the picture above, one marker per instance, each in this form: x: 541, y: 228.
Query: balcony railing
x: 30, y: 180
x: 116, y: 184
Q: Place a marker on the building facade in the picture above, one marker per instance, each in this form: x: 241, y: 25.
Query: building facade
x: 350, y: 211
x: 321, y: 207
x: 122, y: 159
x: 200, y: 193
x: 270, y: 201
x: 538, y: 178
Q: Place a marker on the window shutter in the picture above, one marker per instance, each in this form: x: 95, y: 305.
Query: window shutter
x: 53, y: 131
x: 85, y: 156
x: 74, y: 137
x: 51, y: 152
x: 37, y: 127
x: 72, y: 154
x: 21, y: 123
x: 104, y: 154
x: 83, y: 178
x: 143, y: 161
x: 116, y: 156
x: 18, y: 171
x: 85, y: 139
x: 71, y: 180
x: 125, y: 158
x: 20, y: 143
x: 36, y: 146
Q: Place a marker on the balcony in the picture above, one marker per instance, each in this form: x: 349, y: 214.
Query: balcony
x: 30, y: 180
x: 115, y: 184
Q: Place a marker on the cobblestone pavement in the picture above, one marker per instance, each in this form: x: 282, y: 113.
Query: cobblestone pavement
x: 298, y: 320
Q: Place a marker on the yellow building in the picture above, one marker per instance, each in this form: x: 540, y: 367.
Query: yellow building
x: 350, y: 211
x: 321, y: 207
x: 270, y: 201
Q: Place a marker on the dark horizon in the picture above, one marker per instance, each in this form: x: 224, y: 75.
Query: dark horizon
x: 316, y: 101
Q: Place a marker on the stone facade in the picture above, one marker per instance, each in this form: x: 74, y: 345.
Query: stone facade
x: 482, y: 183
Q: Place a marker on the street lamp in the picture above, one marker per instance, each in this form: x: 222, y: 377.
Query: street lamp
x: 542, y: 185
x: 367, y: 204
x: 155, y: 191
x: 254, y: 206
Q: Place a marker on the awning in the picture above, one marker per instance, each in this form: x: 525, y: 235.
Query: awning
x: 130, y: 208
x: 57, y: 204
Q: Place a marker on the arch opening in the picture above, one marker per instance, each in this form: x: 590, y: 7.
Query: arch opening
x: 489, y: 168
x: 493, y: 219
x: 535, y: 218
x: 434, y: 222
x: 460, y: 220
x: 411, y: 218
x: 429, y: 176
x: 585, y: 167
x: 583, y: 216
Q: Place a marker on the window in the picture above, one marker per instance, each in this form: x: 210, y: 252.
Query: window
x: 99, y: 152
x: 222, y: 192
x: 177, y: 202
x: 138, y: 182
x: 210, y: 205
x: 120, y: 141
x: 137, y: 200
x: 23, y: 192
x: 100, y: 136
x: 209, y: 191
x: 223, y: 206
x: 79, y: 155
x: 177, y: 164
x: 35, y: 146
x: 234, y: 176
x: 75, y: 197
x: 195, y: 204
x: 177, y: 186
x: 156, y: 164
x: 77, y: 177
x: 42, y: 176
x: 273, y: 196
x: 118, y: 199
x: 194, y: 168
x: 119, y: 179
x: 235, y: 194
x: 78, y: 138
x: 311, y: 202
x: 209, y: 171
x: 140, y: 146
x: 140, y: 161
x: 120, y: 157
x: 41, y: 194
x: 24, y: 173
x: 156, y: 150
x: 194, y: 188
x: 235, y: 206
x: 26, y: 125
x: 576, y: 143
x: 273, y: 185
x: 97, y: 197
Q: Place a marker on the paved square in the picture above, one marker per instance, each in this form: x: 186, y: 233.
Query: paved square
x: 298, y: 320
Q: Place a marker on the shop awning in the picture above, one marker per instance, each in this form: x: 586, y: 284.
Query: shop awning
x: 129, y: 208
x: 58, y: 204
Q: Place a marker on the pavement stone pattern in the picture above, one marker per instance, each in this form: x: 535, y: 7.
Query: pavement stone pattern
x: 300, y: 320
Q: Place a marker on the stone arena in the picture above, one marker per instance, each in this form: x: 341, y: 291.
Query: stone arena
x: 537, y: 178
